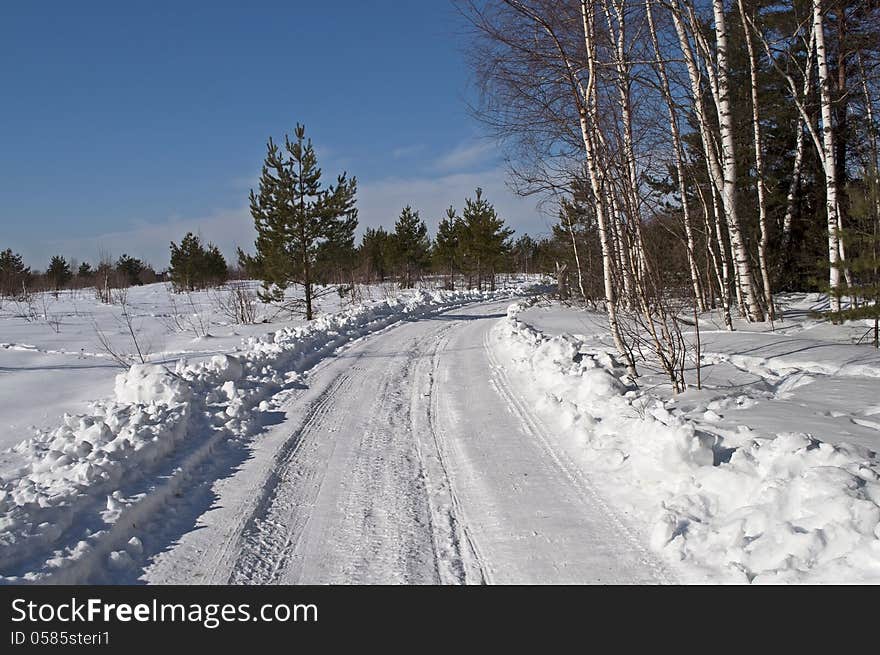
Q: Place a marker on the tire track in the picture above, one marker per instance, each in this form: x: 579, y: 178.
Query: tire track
x: 457, y: 557
x: 349, y: 499
x: 570, y: 470
x: 275, y: 525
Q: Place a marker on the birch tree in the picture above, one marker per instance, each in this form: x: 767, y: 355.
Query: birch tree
x: 759, y: 166
x: 728, y: 149
x: 829, y: 161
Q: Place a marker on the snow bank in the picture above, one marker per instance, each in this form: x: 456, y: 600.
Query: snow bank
x: 779, y: 508
x: 150, y: 384
x: 73, y: 506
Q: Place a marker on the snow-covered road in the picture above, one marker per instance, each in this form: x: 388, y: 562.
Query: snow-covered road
x: 409, y: 457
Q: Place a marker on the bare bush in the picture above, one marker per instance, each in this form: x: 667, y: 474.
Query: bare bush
x: 137, y: 352
x: 237, y: 301
x: 187, y: 318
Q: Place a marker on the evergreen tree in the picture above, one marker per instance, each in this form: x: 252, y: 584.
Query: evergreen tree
x: 130, y: 270
x: 486, y: 240
x: 14, y: 275
x: 216, y: 272
x: 335, y: 257
x: 295, y: 216
x: 252, y: 265
x: 193, y: 266
x: 84, y: 271
x: 58, y: 272
x: 411, y: 246
x: 447, y: 246
x: 524, y: 254
x: 375, y: 253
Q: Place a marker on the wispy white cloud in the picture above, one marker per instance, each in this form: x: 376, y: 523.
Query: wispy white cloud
x: 464, y: 156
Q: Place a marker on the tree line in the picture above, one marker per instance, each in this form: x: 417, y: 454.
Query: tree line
x: 306, y: 234
x: 17, y: 279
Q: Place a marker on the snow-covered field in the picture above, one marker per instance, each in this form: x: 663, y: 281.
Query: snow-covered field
x: 428, y: 436
x: 52, y: 360
x: 767, y: 474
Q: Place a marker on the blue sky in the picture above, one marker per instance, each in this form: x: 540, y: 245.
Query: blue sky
x: 124, y: 124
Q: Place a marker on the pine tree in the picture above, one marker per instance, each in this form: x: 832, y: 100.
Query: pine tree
x: 130, y: 270
x: 58, y: 272
x: 411, y: 246
x: 14, y: 275
x: 185, y: 262
x: 524, y: 253
x: 335, y: 257
x: 84, y: 271
x: 216, y: 272
x: 252, y: 265
x: 295, y: 216
x: 447, y: 246
x: 486, y: 240
x: 193, y: 266
x: 375, y: 253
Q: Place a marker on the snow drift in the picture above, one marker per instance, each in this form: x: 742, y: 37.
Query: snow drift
x: 777, y: 508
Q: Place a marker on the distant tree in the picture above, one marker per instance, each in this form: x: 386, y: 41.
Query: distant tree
x: 485, y: 239
x: 14, y: 275
x: 194, y: 266
x: 375, y: 253
x: 58, y: 272
x: 411, y: 246
x: 250, y: 265
x: 216, y: 269
x: 335, y: 257
x: 295, y: 216
x: 85, y: 275
x: 524, y: 254
x: 447, y: 247
x: 129, y: 270
x: 187, y: 263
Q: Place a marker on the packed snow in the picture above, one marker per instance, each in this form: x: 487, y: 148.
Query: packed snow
x: 767, y: 475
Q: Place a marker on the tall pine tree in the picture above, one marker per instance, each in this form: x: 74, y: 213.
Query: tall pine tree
x: 411, y: 246
x: 447, y: 246
x: 59, y: 272
x: 375, y: 253
x: 194, y: 266
x: 486, y: 240
x: 14, y: 275
x: 297, y: 218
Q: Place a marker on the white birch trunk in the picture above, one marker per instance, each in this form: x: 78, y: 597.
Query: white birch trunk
x: 589, y: 111
x: 828, y: 159
x: 728, y: 192
x: 759, y: 168
x: 577, y: 257
x: 710, y: 154
x: 719, y: 264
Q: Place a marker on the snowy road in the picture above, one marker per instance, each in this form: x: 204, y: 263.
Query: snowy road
x: 409, y: 458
